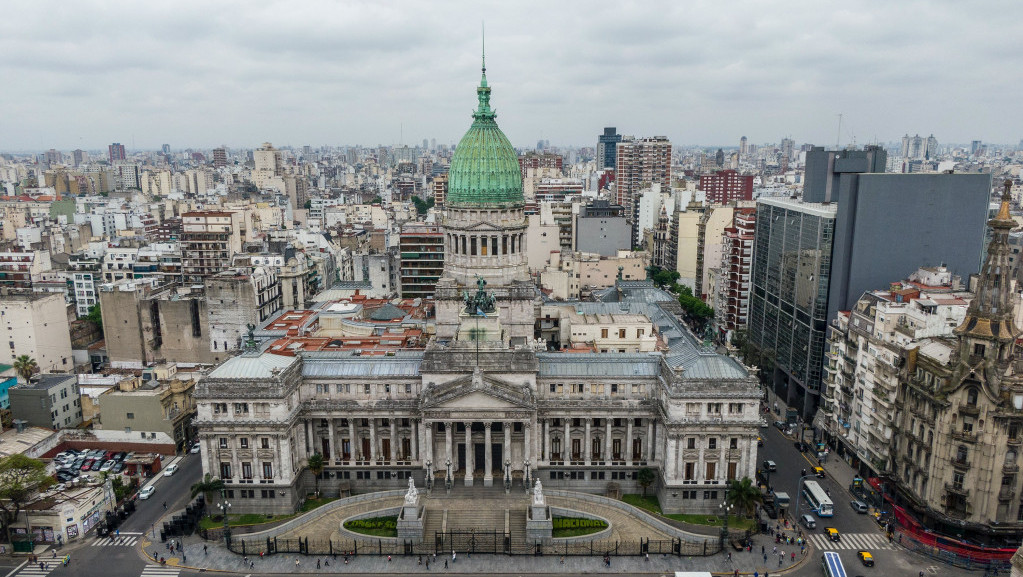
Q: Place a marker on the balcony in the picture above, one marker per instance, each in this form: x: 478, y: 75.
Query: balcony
x: 969, y: 410
x: 969, y: 437
x: 1013, y: 440
x: 1006, y: 494
x: 1010, y: 468
x: 951, y: 488
x: 961, y: 463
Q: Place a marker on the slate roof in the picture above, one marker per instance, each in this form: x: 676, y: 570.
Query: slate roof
x: 251, y: 366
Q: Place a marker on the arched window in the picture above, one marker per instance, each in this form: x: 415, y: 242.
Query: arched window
x: 961, y: 454
x: 1010, y: 457
x: 971, y: 397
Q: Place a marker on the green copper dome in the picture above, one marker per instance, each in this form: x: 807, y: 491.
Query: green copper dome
x: 485, y: 167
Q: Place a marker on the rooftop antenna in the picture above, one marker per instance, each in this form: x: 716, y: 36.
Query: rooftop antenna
x: 483, y: 34
x: 838, y: 140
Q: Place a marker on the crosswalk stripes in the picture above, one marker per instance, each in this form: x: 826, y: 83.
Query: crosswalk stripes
x: 124, y: 540
x: 160, y: 571
x: 33, y: 570
x: 867, y: 541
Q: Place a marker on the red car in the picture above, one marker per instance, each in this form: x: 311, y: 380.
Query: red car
x: 87, y: 465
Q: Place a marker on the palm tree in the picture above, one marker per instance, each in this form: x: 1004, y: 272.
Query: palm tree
x: 25, y: 366
x: 207, y: 486
x: 315, y: 464
x: 744, y: 495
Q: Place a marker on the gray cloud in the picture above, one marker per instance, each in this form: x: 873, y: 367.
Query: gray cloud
x: 201, y: 74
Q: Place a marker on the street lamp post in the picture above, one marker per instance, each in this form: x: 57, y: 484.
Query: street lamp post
x: 225, y: 507
x: 799, y: 492
x: 447, y: 477
x: 725, y: 508
x: 429, y: 474
x: 525, y: 480
x: 507, y: 475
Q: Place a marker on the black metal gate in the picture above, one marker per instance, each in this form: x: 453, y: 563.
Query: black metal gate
x: 471, y: 541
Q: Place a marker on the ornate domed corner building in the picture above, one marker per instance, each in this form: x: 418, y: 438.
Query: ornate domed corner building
x: 485, y: 231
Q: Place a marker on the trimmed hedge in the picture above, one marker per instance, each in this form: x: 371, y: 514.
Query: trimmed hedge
x: 376, y: 526
x: 578, y: 523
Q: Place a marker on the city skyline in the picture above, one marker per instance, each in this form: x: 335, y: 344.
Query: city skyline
x: 323, y: 74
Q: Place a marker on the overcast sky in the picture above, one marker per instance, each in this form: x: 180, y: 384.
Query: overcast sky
x: 86, y: 73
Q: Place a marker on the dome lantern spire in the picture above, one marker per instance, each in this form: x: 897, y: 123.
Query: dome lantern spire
x: 483, y: 111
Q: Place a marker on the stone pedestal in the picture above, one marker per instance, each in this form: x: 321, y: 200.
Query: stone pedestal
x: 410, y: 524
x: 539, y: 525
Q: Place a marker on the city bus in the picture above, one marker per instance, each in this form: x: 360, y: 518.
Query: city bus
x: 831, y: 564
x: 818, y: 499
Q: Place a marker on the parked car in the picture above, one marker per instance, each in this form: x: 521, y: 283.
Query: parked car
x: 808, y: 521
x: 118, y: 467
x: 147, y: 492
x: 866, y: 558
x: 170, y: 470
x: 196, y: 448
x: 96, y: 465
x: 106, y: 466
x: 770, y: 466
x: 858, y: 506
x: 120, y: 456
x: 780, y: 425
x: 87, y: 465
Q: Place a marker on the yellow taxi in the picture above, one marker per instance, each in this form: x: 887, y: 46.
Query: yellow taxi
x: 819, y: 471
x: 832, y: 533
x: 760, y: 442
x: 866, y: 558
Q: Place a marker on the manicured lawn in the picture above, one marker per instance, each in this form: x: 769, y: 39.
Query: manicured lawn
x: 375, y: 526
x: 256, y: 519
x: 650, y: 503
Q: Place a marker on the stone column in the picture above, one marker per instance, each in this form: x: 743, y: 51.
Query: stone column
x: 546, y: 440
x: 447, y: 440
x: 417, y: 438
x: 628, y: 443
x: 427, y: 454
x: 394, y: 441
x: 607, y: 441
x: 528, y: 446
x: 566, y: 445
x: 507, y: 426
x: 649, y: 456
x: 352, y: 449
x: 373, y: 440
x: 305, y: 427
x: 332, y: 444
x: 488, y: 460
x: 470, y: 464
x: 586, y: 443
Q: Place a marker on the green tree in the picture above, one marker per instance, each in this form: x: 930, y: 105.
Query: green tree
x: 25, y: 366
x: 95, y: 316
x: 315, y: 463
x: 744, y: 495
x: 422, y: 207
x: 21, y: 477
x: 207, y: 486
x: 308, y: 204
x: 645, y: 477
x: 376, y: 200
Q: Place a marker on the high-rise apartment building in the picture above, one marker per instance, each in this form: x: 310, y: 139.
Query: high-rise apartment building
x: 79, y: 156
x: 726, y: 186
x: 743, y: 146
x: 219, y: 157
x: 36, y: 325
x: 734, y: 273
x: 607, y: 148
x: 116, y: 152
x: 535, y: 161
x: 640, y: 163
x: 208, y: 240
x: 919, y: 148
x: 440, y: 189
x: 422, y: 259
x: 813, y: 259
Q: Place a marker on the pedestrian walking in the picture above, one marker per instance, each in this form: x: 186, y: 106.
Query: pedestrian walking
x: 729, y: 555
x: 765, y: 557
x: 388, y: 558
x: 761, y: 548
x: 793, y: 556
x: 420, y: 559
x: 318, y: 562
x: 445, y: 564
x: 205, y: 551
x: 252, y: 564
x: 297, y: 563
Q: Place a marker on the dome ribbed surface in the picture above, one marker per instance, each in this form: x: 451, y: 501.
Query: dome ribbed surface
x: 485, y: 167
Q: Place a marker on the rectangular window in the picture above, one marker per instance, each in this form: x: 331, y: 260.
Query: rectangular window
x: 733, y: 443
x: 244, y: 442
x: 241, y: 408
x: 710, y: 495
x: 711, y: 471
x: 603, y: 335
x: 712, y: 443
x: 246, y: 470
x: 130, y: 416
x: 690, y: 471
x: 264, y: 443
x: 225, y: 470
x: 734, y: 408
x: 223, y: 442
x: 691, y: 443
x: 268, y: 470
x: 268, y: 493
x: 621, y: 333
x: 714, y: 408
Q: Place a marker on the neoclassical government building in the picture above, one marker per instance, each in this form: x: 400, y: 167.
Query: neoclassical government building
x: 488, y: 401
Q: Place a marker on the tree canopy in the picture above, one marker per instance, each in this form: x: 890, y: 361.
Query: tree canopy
x: 21, y: 477
x: 25, y: 366
x: 422, y: 207
x: 316, y: 463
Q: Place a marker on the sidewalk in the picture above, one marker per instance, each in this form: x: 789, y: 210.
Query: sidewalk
x: 217, y: 558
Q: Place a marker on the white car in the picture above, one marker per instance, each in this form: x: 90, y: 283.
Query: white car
x: 108, y: 465
x: 170, y: 470
x: 147, y: 492
x: 195, y: 449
